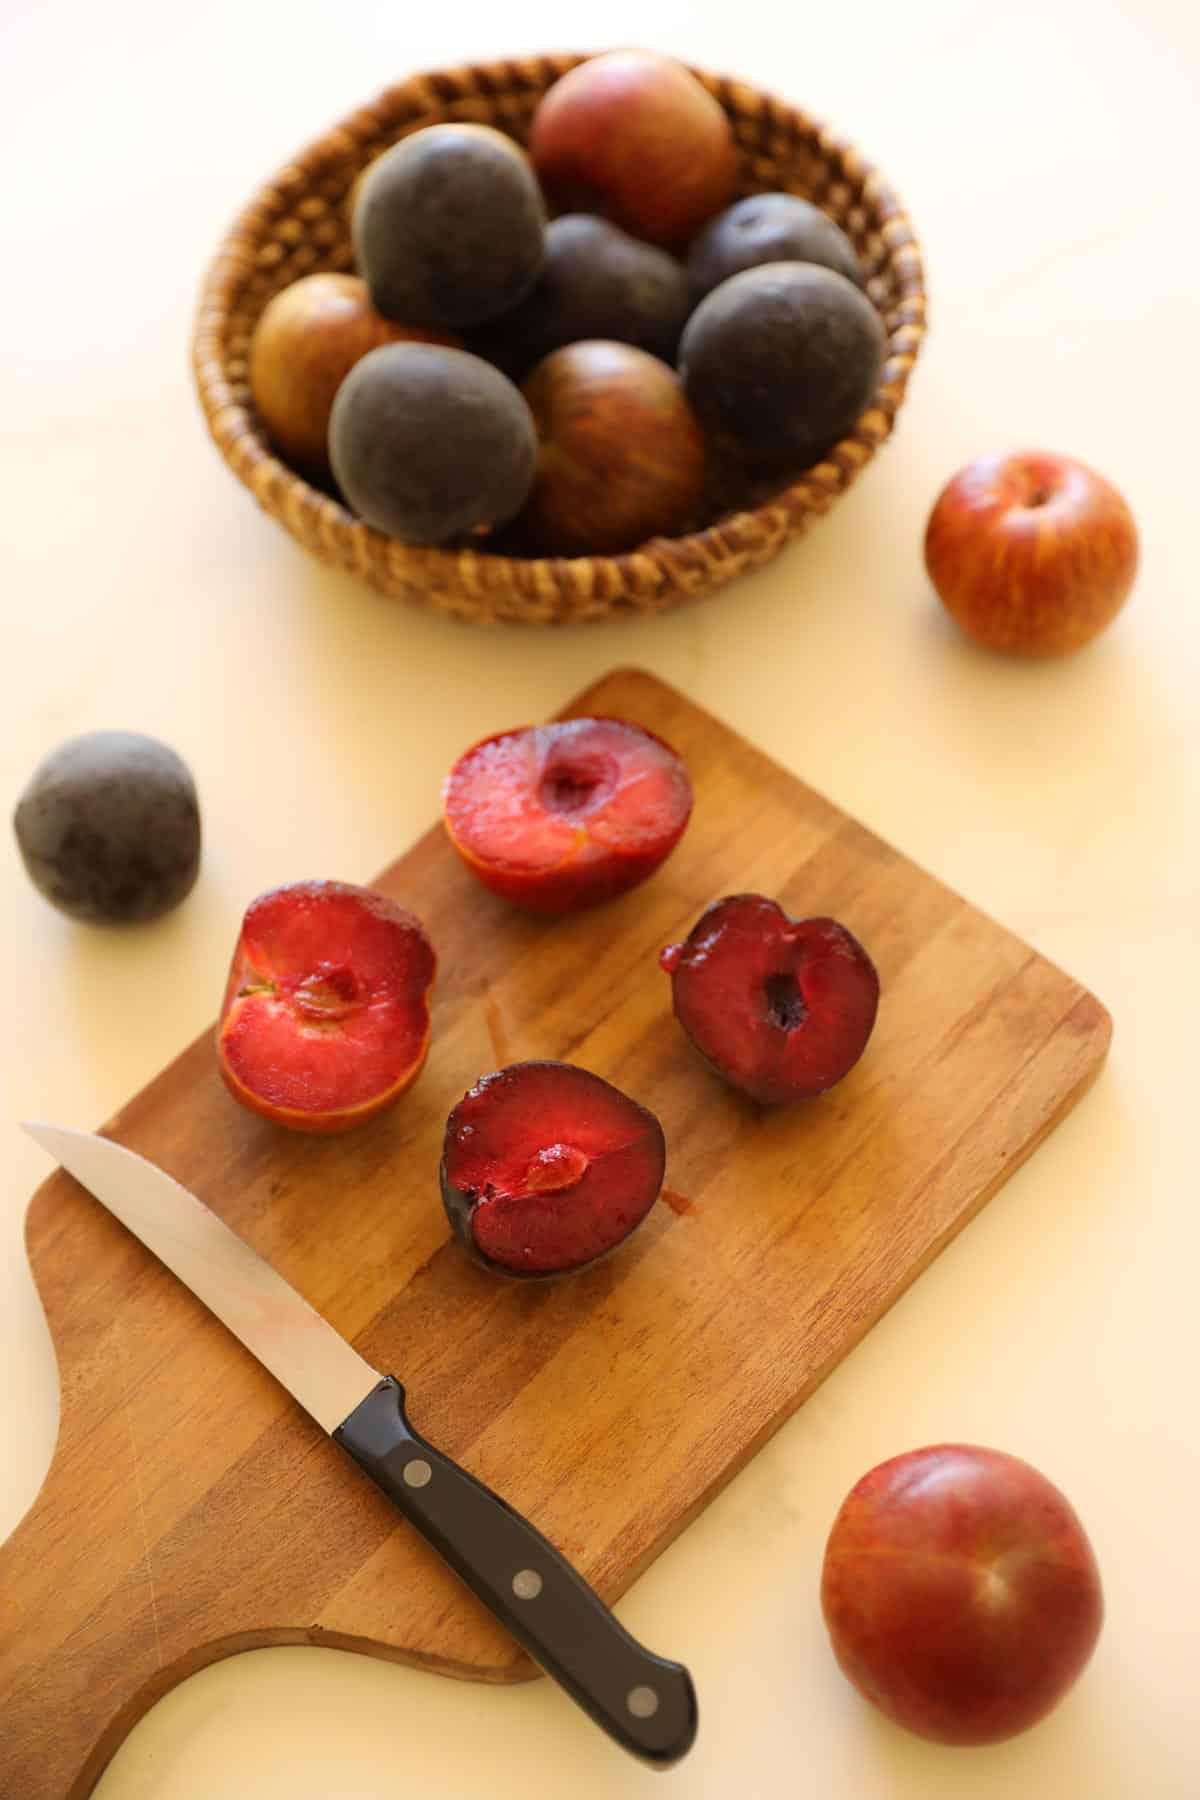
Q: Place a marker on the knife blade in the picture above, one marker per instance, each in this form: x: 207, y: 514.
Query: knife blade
x: 645, y: 1702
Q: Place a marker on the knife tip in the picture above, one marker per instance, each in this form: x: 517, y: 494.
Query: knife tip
x: 41, y: 1132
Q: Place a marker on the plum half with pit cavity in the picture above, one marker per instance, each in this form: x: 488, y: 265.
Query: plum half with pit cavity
x: 546, y: 1167
x: 325, y: 1020
x: 782, y: 1008
x: 562, y: 816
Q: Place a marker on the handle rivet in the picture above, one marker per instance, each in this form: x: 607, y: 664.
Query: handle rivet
x: 527, y: 1584
x: 642, y: 1702
x: 417, y: 1473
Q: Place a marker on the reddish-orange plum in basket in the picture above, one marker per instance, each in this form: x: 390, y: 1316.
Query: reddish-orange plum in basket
x: 634, y: 136
x: 621, y: 454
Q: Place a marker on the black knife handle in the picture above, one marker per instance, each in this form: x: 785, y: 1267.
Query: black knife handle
x: 643, y: 1701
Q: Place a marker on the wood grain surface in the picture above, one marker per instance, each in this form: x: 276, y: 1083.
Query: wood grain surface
x: 192, y: 1509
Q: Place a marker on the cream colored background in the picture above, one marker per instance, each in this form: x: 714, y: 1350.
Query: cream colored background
x: 1046, y: 151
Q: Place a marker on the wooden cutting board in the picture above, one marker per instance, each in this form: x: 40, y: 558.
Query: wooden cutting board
x: 192, y: 1509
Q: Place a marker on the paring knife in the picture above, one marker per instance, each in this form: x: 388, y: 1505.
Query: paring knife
x: 643, y: 1701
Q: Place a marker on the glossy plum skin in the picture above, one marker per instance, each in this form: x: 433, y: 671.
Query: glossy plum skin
x: 782, y: 1008
x: 547, y: 1167
x: 635, y: 137
x: 961, y: 1593
x: 325, y: 1020
x: 1031, y: 553
x: 621, y: 458
x: 563, y: 816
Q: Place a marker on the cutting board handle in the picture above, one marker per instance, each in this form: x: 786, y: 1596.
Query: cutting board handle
x: 95, y: 1625
x: 65, y: 1714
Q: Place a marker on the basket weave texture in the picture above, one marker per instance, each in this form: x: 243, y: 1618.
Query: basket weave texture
x: 298, y: 222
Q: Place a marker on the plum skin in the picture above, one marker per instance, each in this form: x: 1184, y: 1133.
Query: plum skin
x: 428, y: 443
x: 633, y: 135
x: 308, y: 338
x: 1031, y: 553
x: 762, y: 228
x: 960, y: 1592
x: 596, y: 282
x: 109, y: 828
x: 622, y: 458
x: 449, y: 226
x: 782, y: 360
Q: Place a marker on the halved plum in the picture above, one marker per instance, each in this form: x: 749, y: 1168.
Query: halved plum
x: 547, y: 1167
x: 781, y: 1007
x: 563, y: 816
x: 325, y: 1020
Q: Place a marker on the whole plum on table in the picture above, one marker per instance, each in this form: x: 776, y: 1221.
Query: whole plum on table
x: 1031, y: 553
x: 109, y: 828
x: 960, y: 1591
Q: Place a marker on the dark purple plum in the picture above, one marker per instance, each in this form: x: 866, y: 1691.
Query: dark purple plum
x: 428, y: 443
x: 448, y: 226
x: 781, y: 360
x: 596, y: 282
x: 767, y: 228
x: 109, y: 828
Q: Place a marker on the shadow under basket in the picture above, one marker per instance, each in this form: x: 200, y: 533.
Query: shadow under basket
x: 298, y: 222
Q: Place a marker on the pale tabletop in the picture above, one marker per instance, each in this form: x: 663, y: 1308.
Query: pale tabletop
x: 1046, y: 154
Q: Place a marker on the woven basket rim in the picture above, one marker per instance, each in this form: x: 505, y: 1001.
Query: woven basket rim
x: 233, y: 422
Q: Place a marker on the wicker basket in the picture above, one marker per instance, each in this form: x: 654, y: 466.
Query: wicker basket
x: 298, y: 222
